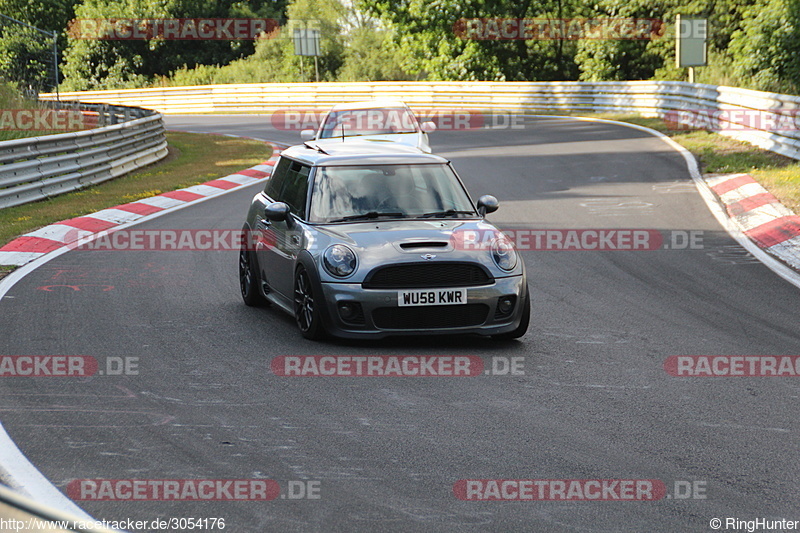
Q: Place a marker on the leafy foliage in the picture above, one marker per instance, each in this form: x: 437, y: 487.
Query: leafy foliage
x: 430, y: 41
x: 752, y: 43
x: 26, y: 59
x: 352, y: 47
x: 765, y: 50
x: 106, y: 64
x: 27, y: 55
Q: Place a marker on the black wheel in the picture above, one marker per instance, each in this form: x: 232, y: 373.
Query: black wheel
x: 306, y: 306
x: 248, y: 279
x: 523, y: 322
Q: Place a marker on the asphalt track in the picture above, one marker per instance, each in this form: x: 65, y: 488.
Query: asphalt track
x: 594, y: 402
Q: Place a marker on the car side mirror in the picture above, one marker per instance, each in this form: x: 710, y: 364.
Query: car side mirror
x: 428, y: 126
x: 487, y: 204
x: 307, y: 135
x: 277, y: 212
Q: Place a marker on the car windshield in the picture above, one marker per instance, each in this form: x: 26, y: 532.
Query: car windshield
x: 346, y: 193
x: 358, y: 122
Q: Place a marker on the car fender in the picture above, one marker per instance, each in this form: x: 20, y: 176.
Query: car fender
x: 305, y: 259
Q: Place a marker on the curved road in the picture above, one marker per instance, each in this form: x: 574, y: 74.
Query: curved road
x: 594, y: 401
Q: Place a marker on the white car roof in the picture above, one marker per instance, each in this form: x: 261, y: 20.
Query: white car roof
x: 378, y: 103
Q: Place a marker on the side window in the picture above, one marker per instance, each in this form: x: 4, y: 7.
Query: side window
x: 289, y: 184
x: 295, y: 188
x: 277, y: 179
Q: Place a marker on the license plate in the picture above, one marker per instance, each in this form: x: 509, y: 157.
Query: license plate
x: 432, y: 297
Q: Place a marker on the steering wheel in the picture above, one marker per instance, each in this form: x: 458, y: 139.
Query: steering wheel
x: 383, y: 204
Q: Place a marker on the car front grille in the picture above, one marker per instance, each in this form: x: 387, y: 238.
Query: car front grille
x: 430, y: 317
x: 427, y: 275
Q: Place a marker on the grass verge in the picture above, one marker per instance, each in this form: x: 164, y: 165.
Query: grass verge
x: 722, y: 155
x: 194, y: 158
x: 13, y: 125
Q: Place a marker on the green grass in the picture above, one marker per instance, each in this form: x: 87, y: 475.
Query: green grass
x: 5, y: 270
x: 194, y: 158
x: 11, y: 100
x: 718, y: 154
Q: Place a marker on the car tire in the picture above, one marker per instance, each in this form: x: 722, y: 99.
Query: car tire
x: 307, y: 311
x: 248, y: 279
x: 523, y: 322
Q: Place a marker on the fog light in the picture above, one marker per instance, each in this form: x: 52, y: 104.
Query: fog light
x: 351, y: 312
x: 347, y: 311
x: 506, y: 304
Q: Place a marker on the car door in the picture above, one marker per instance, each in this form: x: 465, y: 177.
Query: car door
x: 279, y: 242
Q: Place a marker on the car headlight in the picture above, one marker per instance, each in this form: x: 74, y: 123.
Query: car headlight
x: 339, y: 260
x: 504, y: 255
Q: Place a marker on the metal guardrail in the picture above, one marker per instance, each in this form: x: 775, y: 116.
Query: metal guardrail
x: 665, y: 99
x: 35, y: 168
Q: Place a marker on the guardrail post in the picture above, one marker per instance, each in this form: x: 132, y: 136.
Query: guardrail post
x: 102, y: 112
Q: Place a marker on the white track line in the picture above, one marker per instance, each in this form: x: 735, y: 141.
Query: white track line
x: 15, y: 469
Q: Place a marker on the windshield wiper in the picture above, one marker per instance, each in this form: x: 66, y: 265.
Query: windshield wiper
x: 367, y: 216
x: 449, y: 212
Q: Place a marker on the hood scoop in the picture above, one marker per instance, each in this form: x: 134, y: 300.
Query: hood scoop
x: 416, y: 245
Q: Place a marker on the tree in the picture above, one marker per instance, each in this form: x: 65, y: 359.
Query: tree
x: 327, y: 16
x: 655, y: 58
x: 26, y: 59
x: 765, y: 50
x: 52, y: 15
x: 435, y: 46
x: 350, y: 46
x: 26, y: 55
x: 107, y: 64
x: 371, y: 55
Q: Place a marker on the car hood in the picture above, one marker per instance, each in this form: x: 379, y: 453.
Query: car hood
x: 379, y: 243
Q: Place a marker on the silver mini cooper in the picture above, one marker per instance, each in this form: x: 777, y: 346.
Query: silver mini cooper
x: 366, y: 240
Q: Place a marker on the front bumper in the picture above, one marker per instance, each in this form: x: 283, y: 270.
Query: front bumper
x: 382, y: 316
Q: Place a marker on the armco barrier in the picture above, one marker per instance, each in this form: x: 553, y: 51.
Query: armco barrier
x: 34, y: 168
x: 649, y: 98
